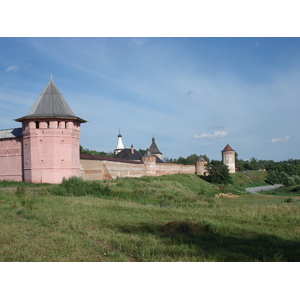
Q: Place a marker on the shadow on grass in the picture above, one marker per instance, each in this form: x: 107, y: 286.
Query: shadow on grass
x: 220, y: 247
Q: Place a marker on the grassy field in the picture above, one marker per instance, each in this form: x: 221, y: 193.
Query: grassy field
x: 167, y: 218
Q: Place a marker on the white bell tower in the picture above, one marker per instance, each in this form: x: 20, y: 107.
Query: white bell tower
x: 120, y: 145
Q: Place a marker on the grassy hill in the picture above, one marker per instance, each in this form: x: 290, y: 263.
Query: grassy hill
x: 168, y: 218
x: 250, y: 178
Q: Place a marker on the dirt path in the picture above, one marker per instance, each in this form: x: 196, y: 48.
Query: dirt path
x: 254, y: 190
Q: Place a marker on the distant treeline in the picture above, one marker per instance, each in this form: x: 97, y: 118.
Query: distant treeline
x: 94, y: 152
x: 283, y: 172
x: 291, y: 166
x: 278, y: 172
x: 189, y: 160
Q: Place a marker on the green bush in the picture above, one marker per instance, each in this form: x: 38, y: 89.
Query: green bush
x: 288, y: 181
x: 296, y: 189
x: 297, y: 179
x: 76, y: 186
x: 283, y: 178
x: 272, y: 177
x: 288, y: 200
x: 218, y: 173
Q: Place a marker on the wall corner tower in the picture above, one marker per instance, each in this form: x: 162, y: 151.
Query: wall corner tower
x: 149, y: 161
x: 228, y: 158
x: 154, y: 149
x: 201, y: 166
x: 51, y: 134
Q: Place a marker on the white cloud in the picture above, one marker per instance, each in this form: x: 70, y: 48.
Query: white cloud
x: 279, y: 56
x: 215, y: 135
x: 15, y: 68
x: 280, y: 140
x: 12, y: 68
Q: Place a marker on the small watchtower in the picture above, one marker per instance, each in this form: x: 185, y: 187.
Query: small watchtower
x: 154, y: 149
x: 149, y: 161
x: 51, y: 133
x: 228, y: 158
x: 201, y: 166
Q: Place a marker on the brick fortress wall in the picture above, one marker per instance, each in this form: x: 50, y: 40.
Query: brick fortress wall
x: 100, y: 168
x: 11, y: 159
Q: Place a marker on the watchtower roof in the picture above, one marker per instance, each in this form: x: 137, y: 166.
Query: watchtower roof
x: 201, y: 158
x: 50, y: 104
x: 10, y: 133
x: 153, y: 148
x: 227, y: 148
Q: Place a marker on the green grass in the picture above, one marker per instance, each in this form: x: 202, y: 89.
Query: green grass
x: 167, y: 218
x: 250, y: 179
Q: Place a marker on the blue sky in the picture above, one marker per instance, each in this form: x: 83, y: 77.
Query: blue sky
x: 194, y: 95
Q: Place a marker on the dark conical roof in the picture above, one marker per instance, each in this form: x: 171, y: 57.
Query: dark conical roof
x: 147, y: 153
x: 153, y: 148
x: 201, y: 158
x: 50, y: 104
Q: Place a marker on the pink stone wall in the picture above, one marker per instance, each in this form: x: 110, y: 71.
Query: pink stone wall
x: 165, y: 169
x: 11, y: 159
x: 51, y: 150
x: 93, y: 169
x: 99, y: 169
x: 149, y: 165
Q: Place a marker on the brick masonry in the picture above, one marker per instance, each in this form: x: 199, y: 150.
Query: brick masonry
x: 99, y: 168
x: 11, y: 159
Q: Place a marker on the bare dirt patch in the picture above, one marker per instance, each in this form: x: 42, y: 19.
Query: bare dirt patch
x: 228, y: 195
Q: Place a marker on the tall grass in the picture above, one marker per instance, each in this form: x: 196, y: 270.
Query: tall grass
x: 167, y: 218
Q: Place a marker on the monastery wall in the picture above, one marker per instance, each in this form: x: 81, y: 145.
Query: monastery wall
x: 165, y: 169
x: 11, y: 159
x: 100, y: 168
x: 121, y: 169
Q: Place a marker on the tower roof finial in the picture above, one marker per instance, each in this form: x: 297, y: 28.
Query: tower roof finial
x: 119, y: 135
x: 51, y: 76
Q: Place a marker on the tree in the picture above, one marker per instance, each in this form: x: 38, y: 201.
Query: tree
x: 254, y: 164
x: 182, y: 161
x: 239, y: 163
x: 191, y: 159
x: 94, y: 152
x: 142, y: 151
x: 272, y: 177
x: 218, y: 173
x: 206, y: 158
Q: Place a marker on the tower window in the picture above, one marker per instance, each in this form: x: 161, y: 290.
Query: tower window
x: 37, y: 124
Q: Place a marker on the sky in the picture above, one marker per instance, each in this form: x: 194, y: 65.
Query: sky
x: 194, y: 95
